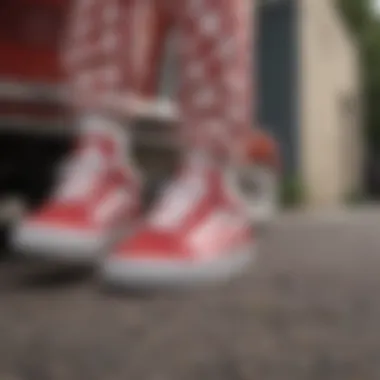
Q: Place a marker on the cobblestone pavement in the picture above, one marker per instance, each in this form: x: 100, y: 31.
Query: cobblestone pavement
x: 308, y: 309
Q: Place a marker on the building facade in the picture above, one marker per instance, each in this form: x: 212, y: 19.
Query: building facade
x: 309, y: 91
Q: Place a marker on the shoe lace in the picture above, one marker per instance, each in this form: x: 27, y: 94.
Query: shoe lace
x: 80, y: 175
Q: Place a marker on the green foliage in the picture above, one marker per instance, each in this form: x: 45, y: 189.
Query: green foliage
x: 356, y: 13
x: 291, y: 193
x: 371, y: 65
x: 365, y: 26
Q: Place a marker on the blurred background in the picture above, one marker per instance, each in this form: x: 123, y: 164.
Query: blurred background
x: 309, y: 310
x: 316, y: 93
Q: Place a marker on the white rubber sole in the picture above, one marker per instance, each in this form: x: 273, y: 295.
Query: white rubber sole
x: 121, y: 272
x: 60, y: 244
x: 261, y: 201
x: 261, y: 214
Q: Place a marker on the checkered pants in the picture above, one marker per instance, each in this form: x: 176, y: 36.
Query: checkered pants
x: 113, y: 47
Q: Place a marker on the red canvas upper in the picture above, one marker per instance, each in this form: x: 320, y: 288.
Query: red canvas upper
x: 97, y: 189
x: 196, y: 218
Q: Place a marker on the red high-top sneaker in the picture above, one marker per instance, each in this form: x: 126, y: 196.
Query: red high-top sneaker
x: 198, y: 232
x: 97, y: 197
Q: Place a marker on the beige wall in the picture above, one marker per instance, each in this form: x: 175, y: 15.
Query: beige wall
x: 329, y: 137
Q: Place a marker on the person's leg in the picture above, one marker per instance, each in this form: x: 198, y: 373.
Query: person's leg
x: 198, y: 229
x: 216, y: 78
x: 104, y: 55
x: 160, y: 24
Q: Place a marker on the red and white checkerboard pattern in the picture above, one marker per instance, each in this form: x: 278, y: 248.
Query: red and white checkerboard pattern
x: 113, y: 48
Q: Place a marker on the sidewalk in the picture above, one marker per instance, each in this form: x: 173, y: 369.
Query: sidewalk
x: 308, y: 309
